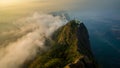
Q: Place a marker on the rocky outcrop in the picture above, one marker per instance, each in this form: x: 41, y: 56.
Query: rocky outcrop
x: 83, y: 47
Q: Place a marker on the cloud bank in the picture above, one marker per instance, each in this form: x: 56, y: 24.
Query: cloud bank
x: 38, y: 26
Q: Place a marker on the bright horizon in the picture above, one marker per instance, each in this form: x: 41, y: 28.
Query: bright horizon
x: 6, y: 3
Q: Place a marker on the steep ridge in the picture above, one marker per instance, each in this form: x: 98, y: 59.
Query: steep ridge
x: 70, y: 48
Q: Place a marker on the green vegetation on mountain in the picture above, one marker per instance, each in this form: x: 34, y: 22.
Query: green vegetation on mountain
x: 68, y: 49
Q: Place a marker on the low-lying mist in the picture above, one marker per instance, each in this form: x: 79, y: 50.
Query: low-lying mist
x: 33, y: 30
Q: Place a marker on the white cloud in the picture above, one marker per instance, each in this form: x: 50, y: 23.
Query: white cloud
x: 25, y: 48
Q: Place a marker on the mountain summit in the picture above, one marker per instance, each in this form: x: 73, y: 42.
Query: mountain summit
x: 70, y: 48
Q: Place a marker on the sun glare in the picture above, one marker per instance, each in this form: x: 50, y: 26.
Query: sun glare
x: 8, y: 2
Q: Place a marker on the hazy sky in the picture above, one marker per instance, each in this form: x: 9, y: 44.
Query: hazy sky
x: 18, y: 8
x: 65, y: 3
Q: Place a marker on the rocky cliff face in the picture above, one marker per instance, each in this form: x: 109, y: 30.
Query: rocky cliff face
x: 70, y: 48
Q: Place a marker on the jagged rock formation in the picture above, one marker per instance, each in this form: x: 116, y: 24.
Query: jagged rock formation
x: 70, y: 49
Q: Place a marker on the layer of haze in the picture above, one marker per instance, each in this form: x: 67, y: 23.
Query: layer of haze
x: 84, y: 7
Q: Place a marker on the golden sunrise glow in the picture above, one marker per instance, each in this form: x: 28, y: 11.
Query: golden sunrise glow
x: 9, y: 2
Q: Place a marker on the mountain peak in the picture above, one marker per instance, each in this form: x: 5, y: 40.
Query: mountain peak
x: 70, y: 49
